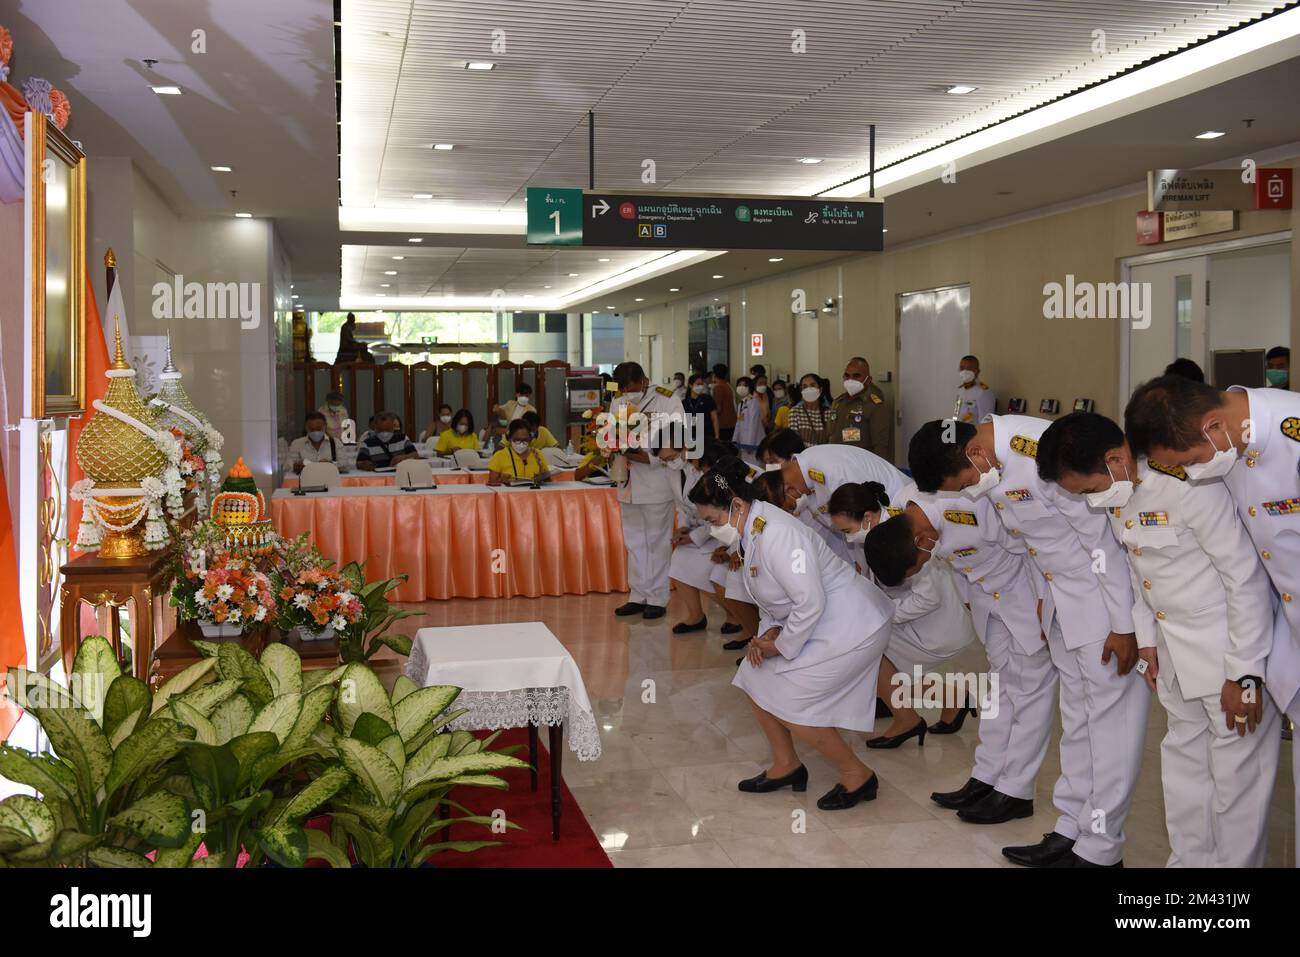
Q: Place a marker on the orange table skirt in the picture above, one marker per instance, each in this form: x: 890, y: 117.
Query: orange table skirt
x: 488, y: 544
x: 370, y: 480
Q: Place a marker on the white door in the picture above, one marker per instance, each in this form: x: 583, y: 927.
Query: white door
x: 806, y: 355
x: 1178, y: 330
x: 933, y: 335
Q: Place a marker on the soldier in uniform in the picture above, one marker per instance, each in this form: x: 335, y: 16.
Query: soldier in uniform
x: 1251, y: 439
x: 1205, y: 626
x: 1086, y: 613
x: 859, y: 416
x: 647, y: 499
x: 974, y: 398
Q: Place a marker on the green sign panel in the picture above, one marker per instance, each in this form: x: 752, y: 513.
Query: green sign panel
x: 554, y: 217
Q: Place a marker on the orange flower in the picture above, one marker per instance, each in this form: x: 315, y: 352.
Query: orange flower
x: 286, y: 593
x: 219, y: 613
x: 320, y: 617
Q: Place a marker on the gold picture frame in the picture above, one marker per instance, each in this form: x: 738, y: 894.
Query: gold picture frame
x: 56, y: 178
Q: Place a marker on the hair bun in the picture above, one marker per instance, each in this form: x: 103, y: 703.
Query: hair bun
x: 877, y: 492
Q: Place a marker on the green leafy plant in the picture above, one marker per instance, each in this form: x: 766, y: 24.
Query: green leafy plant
x: 403, y: 765
x: 360, y: 641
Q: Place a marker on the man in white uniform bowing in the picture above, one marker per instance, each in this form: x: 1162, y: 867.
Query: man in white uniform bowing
x: 646, y: 499
x: 1251, y: 439
x: 1087, y: 614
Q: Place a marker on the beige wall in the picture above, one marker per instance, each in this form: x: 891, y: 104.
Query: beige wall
x: 1006, y: 266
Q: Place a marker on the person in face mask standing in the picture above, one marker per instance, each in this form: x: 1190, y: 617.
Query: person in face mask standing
x: 1251, y: 439
x: 647, y: 499
x: 1205, y: 629
x: 336, y: 413
x: 974, y: 398
x: 316, y: 446
x: 1086, y: 611
x: 860, y: 416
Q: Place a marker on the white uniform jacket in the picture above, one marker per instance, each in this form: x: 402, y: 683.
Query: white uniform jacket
x: 1089, y: 588
x: 1196, y: 579
x: 649, y: 482
x: 826, y: 467
x: 687, y: 515
x: 824, y: 608
x: 974, y: 404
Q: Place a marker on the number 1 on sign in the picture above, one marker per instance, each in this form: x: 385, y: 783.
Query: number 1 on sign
x: 556, y: 216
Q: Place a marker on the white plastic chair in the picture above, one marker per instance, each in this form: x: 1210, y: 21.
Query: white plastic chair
x: 556, y: 458
x: 468, y: 459
x: 415, y: 473
x: 317, y: 474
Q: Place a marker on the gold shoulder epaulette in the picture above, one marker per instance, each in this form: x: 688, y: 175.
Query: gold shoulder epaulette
x: 663, y: 391
x: 1025, y: 446
x: 759, y: 524
x: 960, y: 518
x: 876, y: 399
x: 983, y: 386
x: 1176, y: 471
x: 1291, y: 428
x: 893, y: 510
x: 817, y: 476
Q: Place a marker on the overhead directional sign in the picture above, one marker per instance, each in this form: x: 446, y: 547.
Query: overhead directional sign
x: 658, y: 221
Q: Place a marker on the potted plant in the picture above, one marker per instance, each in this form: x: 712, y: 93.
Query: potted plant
x: 360, y: 639
x: 223, y: 593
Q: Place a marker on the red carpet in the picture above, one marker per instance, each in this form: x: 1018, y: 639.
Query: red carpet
x: 531, y: 846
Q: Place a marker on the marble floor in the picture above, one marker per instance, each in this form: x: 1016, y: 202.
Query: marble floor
x: 677, y: 737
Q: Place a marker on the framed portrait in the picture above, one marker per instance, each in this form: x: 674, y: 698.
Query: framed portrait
x: 56, y: 252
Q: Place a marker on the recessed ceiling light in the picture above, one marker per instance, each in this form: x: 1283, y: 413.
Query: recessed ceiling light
x: 380, y: 295
x: 546, y: 287
x: 385, y: 285
x: 399, y: 257
x: 480, y: 65
x: 416, y: 239
x: 243, y: 215
x: 220, y: 169
x: 166, y: 90
x: 573, y: 275
x: 776, y: 259
x: 715, y: 298
x: 603, y: 259
x: 675, y: 289
x: 718, y: 275
x: 444, y: 146
x: 809, y: 160
x: 640, y: 299
x: 1210, y: 135
x: 611, y: 307
x: 422, y: 196
x: 390, y: 272
x: 961, y: 89
x: 295, y: 295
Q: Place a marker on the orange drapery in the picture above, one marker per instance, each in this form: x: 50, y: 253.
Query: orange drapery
x: 13, y: 649
x: 96, y: 386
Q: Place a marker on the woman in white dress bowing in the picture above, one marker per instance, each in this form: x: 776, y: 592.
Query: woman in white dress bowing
x: 692, y: 567
x: 812, y: 668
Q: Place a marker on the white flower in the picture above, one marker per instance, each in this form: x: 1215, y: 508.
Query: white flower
x: 260, y: 614
x: 201, y: 599
x: 252, y: 589
x: 225, y: 591
x: 302, y: 599
x: 152, y: 486
x: 345, y: 597
x: 234, y: 613
x: 339, y: 622
x: 322, y: 585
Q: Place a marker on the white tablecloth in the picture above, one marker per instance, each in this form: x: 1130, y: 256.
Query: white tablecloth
x: 381, y: 491
x: 512, y: 675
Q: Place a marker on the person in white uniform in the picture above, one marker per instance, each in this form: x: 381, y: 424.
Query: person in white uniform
x: 994, y: 577
x: 1204, y: 623
x: 646, y: 499
x: 1250, y: 438
x: 1087, y: 615
x: 931, y: 623
x: 812, y: 669
x: 749, y: 416
x: 974, y: 399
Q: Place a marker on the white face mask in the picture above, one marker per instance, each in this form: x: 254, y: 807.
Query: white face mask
x: 1218, y: 466
x: 760, y: 389
x: 966, y: 376
x: 1116, y: 496
x: 444, y: 419
x: 316, y: 436
x: 633, y: 396
x: 804, y: 502
x: 778, y: 393
x: 462, y: 428
x: 858, y: 537
x: 742, y: 390
x: 520, y: 447
x: 811, y: 394
x: 988, y: 480
x: 853, y: 386
x: 678, y: 383
x: 521, y: 400
x: 699, y: 388
x: 677, y: 464
x: 773, y: 467
x: 726, y: 533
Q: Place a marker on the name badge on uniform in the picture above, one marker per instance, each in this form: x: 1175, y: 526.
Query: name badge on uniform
x: 852, y: 435
x: 964, y: 552
x: 1286, y: 506
x: 1019, y: 495
x: 960, y: 518
x: 1152, y: 519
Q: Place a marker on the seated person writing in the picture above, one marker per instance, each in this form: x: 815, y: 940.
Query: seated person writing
x: 518, y: 460
x: 461, y: 435
x: 542, y: 437
x: 385, y: 445
x: 316, y: 446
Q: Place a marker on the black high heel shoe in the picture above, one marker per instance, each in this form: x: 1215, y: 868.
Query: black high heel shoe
x: 796, y: 780
x: 736, y: 644
x: 918, y: 731
x: 953, y: 726
x: 840, y: 798
x: 731, y: 627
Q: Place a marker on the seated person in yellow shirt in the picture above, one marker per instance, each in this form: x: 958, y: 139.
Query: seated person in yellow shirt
x: 542, y: 437
x: 589, y: 466
x: 518, y: 459
x: 461, y: 435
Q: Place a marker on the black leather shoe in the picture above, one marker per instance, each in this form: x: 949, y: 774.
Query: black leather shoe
x: 654, y: 611
x: 996, y: 808
x: 966, y: 795
x: 631, y: 608
x: 882, y: 709
x: 730, y: 628
x: 917, y: 731
x: 735, y: 644
x: 684, y: 628
x: 953, y: 726
x: 1051, y: 848
x: 796, y: 780
x: 1074, y: 860
x: 840, y: 798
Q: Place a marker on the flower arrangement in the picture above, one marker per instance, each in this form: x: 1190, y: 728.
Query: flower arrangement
x: 230, y: 593
x: 314, y: 600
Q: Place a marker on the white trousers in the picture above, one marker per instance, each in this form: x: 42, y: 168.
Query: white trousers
x: 648, y: 537
x: 1218, y: 785
x: 1103, y: 726
x: 1013, y: 743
